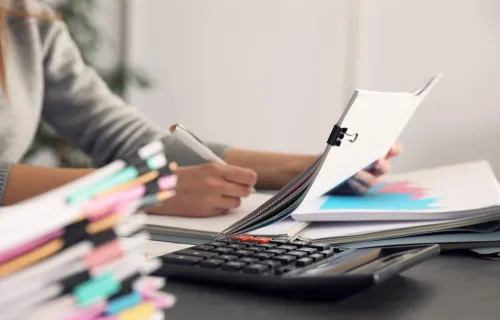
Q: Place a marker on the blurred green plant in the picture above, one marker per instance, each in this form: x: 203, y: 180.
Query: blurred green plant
x: 79, y: 15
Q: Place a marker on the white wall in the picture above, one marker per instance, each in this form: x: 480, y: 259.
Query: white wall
x: 405, y: 41
x: 272, y: 74
x: 259, y: 74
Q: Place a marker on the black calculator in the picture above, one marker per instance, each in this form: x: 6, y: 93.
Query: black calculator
x: 276, y: 265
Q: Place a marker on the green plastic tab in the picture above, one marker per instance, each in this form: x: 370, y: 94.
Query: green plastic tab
x: 97, y: 289
x: 123, y: 176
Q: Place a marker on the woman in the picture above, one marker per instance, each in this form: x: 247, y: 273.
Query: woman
x: 43, y: 75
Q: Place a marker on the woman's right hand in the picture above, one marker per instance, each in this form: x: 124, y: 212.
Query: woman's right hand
x: 208, y: 190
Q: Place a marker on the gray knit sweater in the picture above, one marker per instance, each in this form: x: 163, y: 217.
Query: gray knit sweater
x: 48, y: 79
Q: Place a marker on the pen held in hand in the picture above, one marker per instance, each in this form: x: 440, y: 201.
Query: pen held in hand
x: 196, y: 145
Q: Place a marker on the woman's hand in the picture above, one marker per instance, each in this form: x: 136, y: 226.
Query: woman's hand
x: 208, y: 190
x: 361, y: 182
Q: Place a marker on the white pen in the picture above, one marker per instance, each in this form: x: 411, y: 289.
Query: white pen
x: 195, y: 144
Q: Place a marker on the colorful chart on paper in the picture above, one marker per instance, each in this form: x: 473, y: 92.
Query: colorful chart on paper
x: 388, y: 196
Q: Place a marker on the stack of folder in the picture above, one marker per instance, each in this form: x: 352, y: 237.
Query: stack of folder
x: 62, y: 255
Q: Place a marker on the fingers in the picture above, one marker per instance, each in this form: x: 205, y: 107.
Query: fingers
x: 230, y: 180
x: 224, y: 203
x: 222, y: 187
x: 356, y: 187
x: 358, y: 184
x: 366, y: 179
x: 238, y: 175
x: 395, y: 151
x: 379, y: 168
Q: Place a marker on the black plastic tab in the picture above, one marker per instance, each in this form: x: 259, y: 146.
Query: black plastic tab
x: 152, y: 187
x: 72, y: 281
x: 336, y: 136
x: 75, y: 233
x: 103, y: 237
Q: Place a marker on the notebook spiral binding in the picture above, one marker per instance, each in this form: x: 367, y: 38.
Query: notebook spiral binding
x: 337, y: 135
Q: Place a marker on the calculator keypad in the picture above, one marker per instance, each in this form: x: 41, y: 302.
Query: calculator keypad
x: 252, y: 255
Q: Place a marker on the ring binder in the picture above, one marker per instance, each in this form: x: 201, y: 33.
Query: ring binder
x: 338, y: 134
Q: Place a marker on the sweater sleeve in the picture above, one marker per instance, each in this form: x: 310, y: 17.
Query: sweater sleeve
x: 79, y: 105
x: 4, y: 175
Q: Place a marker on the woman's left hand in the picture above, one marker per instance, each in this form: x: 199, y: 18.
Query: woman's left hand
x: 361, y: 182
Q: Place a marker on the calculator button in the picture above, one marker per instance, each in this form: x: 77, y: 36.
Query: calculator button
x: 282, y: 270
x: 229, y: 240
x: 266, y: 245
x: 243, y: 252
x: 327, y: 253
x: 255, y: 249
x: 227, y: 257
x: 280, y: 242
x: 256, y: 268
x: 204, y: 247
x: 285, y: 259
x: 195, y: 253
x: 302, y: 262
x: 260, y: 239
x: 287, y: 247
x: 233, y: 266
x: 299, y: 243
x: 223, y: 250
x: 263, y: 255
x: 236, y: 246
x: 181, y: 259
x: 316, y: 257
x: 216, y: 244
x: 320, y: 246
x: 248, y: 260
x: 271, y: 263
x: 308, y: 250
x: 276, y: 251
x: 242, y: 238
x: 211, y: 263
x: 298, y: 254
x: 337, y: 250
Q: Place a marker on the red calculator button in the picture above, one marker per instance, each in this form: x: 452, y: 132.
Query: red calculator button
x: 261, y: 239
x: 242, y: 238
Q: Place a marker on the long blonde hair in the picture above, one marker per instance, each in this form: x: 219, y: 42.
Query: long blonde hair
x: 6, y: 13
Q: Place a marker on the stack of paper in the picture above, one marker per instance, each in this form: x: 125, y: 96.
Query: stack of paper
x: 457, y: 206
x: 450, y: 204
x: 61, y: 253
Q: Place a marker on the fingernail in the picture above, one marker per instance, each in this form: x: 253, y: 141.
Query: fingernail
x: 396, y: 148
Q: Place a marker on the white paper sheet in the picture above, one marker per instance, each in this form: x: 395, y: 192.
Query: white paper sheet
x: 148, y: 249
x: 212, y: 224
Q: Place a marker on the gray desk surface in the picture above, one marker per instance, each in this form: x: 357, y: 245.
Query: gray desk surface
x: 446, y: 287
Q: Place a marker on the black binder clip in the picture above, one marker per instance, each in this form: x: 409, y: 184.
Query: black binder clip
x: 337, y: 135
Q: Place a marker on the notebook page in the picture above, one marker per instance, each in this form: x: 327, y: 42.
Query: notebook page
x: 432, y: 238
x: 325, y: 230
x: 211, y: 224
x: 287, y: 227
